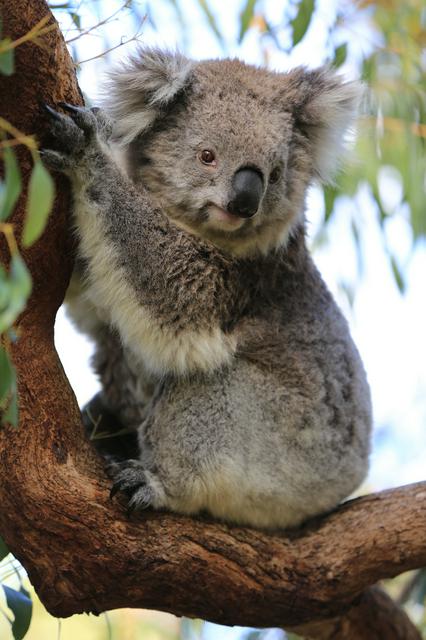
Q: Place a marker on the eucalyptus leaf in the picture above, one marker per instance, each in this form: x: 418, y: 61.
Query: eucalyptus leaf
x: 8, y: 390
x: 246, y: 18
x: 358, y: 246
x: 76, y: 19
x: 7, y: 59
x: 4, y: 289
x: 330, y: 195
x: 6, y: 374
x: 397, y: 274
x: 20, y: 603
x: 301, y: 22
x: 12, y: 185
x: 369, y: 69
x: 20, y: 276
x: 18, y: 290
x: 4, y: 551
x: 41, y: 193
x: 11, y: 415
x: 340, y: 54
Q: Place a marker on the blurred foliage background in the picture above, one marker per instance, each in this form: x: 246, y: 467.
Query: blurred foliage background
x: 383, y: 43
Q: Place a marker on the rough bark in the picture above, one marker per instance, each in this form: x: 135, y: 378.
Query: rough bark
x: 81, y: 551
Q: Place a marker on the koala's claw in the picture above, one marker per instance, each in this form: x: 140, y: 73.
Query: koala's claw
x: 116, y: 487
x: 83, y: 118
x: 56, y: 161
x: 69, y: 107
x: 131, y: 478
x: 50, y: 111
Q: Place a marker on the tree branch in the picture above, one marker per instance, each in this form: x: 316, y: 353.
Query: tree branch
x: 80, y: 550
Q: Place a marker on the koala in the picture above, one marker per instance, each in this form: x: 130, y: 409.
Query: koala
x: 217, y: 342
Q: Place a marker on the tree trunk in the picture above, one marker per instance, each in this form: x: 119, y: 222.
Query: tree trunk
x: 81, y: 551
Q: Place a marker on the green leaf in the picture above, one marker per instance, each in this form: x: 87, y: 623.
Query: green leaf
x: 211, y: 20
x: 6, y: 374
x: 41, y: 193
x: 369, y: 69
x: 302, y: 20
x: 8, y: 391
x: 4, y: 551
x: 19, y: 602
x: 76, y: 19
x: 7, y: 59
x: 18, y: 288
x: 12, y: 185
x: 4, y: 289
x: 11, y: 415
x: 358, y: 247
x: 340, y: 54
x: 330, y: 195
x: 20, y: 276
x: 246, y: 18
x: 397, y: 274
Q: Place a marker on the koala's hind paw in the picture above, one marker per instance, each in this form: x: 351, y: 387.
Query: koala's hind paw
x: 141, y: 486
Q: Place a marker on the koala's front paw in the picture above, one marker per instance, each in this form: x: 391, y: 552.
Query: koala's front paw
x: 140, y: 485
x: 74, y: 137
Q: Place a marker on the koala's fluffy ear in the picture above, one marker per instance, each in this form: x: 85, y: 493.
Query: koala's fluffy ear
x: 324, y: 106
x: 138, y: 90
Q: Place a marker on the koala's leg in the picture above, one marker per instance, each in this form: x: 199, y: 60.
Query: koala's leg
x: 257, y: 458
x: 126, y: 385
x: 169, y: 294
x: 113, y: 415
x: 110, y: 438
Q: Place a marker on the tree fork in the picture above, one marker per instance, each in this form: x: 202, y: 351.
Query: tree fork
x: 81, y: 551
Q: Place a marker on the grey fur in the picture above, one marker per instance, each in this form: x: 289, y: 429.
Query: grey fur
x: 217, y: 340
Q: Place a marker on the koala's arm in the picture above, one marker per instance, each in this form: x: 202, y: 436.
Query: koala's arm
x: 166, y: 292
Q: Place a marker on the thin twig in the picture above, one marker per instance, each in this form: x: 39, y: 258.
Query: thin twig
x: 125, y: 5
x: 134, y: 38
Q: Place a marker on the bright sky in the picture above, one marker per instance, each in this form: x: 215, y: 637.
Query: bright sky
x: 389, y: 329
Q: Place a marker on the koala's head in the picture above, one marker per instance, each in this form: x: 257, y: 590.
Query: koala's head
x: 226, y: 149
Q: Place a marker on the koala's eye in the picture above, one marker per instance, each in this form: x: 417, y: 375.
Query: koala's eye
x: 207, y: 157
x: 275, y: 175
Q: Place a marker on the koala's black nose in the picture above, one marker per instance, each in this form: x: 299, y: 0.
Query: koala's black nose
x: 247, y: 191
